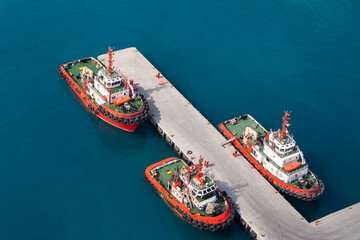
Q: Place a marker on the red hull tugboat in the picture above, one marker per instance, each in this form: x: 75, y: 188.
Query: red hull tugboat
x: 275, y: 155
x: 191, y: 193
x: 106, y: 93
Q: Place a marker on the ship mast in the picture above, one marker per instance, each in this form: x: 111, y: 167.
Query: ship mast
x: 189, y: 174
x: 110, y: 69
x: 110, y: 60
x: 285, y: 124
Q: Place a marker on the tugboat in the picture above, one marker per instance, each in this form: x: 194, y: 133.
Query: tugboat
x: 191, y: 192
x: 275, y: 155
x: 105, y: 92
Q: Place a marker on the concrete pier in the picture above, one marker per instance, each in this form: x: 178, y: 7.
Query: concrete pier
x: 264, y: 212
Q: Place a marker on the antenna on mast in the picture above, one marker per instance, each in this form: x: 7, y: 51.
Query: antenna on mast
x: 285, y: 124
x: 110, y: 59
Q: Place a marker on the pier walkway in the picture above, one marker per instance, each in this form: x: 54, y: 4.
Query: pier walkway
x: 265, y: 213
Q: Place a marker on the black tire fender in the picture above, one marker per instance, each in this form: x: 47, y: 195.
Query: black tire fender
x: 224, y: 225
x: 206, y: 226
x: 218, y: 227
x: 137, y: 119
x: 131, y: 121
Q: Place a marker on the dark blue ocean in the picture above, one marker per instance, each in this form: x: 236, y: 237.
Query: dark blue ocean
x: 64, y: 174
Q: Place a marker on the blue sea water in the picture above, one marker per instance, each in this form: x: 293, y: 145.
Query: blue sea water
x: 66, y: 175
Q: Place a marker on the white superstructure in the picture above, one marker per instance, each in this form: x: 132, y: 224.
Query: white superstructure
x: 278, y: 152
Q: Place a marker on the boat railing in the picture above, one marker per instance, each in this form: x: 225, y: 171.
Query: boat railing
x: 164, y: 164
x: 66, y: 65
x: 257, y: 122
